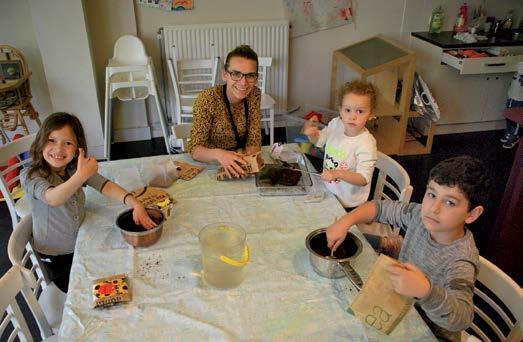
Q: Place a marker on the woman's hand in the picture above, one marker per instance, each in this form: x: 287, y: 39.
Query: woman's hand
x: 140, y: 217
x: 409, y: 280
x: 231, y: 162
x: 330, y: 176
x: 86, y: 167
x: 310, y: 129
x: 336, y: 234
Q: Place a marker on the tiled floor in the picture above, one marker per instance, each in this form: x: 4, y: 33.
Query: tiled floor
x: 483, y: 145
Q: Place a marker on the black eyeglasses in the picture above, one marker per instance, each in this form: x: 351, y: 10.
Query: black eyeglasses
x: 236, y: 76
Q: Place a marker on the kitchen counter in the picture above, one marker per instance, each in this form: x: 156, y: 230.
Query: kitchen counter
x: 445, y: 39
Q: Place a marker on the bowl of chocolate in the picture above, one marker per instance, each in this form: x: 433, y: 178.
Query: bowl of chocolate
x: 136, y: 235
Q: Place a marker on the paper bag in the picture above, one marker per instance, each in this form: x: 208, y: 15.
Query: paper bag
x: 155, y: 198
x: 254, y: 164
x: 378, y: 304
x: 188, y: 171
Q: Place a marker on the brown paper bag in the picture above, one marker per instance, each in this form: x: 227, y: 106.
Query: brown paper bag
x: 188, y: 171
x: 155, y: 198
x: 255, y: 163
x: 378, y: 304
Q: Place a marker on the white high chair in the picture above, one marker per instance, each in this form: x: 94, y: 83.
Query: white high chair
x: 267, y: 102
x: 129, y: 75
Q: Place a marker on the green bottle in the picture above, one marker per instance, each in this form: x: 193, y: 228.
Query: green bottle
x: 436, y: 20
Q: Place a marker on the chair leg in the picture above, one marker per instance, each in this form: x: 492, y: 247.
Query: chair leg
x: 107, y: 125
x: 271, y: 126
x: 162, y: 123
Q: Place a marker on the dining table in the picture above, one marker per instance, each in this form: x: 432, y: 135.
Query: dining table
x: 280, y: 298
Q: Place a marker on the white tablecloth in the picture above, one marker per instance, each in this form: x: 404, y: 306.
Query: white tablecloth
x: 281, y: 298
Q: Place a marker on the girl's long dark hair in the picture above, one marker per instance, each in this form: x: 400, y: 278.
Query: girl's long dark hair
x: 52, y: 123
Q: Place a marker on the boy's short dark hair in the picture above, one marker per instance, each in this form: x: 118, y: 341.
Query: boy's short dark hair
x: 244, y: 51
x: 469, y: 174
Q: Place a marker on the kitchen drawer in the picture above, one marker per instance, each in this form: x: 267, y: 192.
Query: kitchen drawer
x: 482, y: 65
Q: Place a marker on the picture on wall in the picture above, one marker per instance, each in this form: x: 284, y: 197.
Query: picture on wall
x: 168, y: 5
x: 10, y: 70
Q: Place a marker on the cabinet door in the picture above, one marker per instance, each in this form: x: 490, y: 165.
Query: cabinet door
x: 496, y: 95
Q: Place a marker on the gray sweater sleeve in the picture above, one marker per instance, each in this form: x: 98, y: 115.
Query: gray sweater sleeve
x: 451, y: 269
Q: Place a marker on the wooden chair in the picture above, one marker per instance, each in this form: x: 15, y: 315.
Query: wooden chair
x: 11, y: 284
x: 15, y: 92
x: 493, y: 320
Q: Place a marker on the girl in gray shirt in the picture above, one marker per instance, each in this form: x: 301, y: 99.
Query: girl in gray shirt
x: 53, y: 184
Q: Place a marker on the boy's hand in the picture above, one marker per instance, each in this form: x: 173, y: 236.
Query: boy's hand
x: 409, y: 280
x: 310, y: 129
x: 140, y: 217
x: 86, y: 167
x: 336, y: 234
x: 231, y: 162
x: 330, y: 176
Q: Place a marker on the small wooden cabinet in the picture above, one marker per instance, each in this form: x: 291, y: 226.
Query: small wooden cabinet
x: 390, y: 68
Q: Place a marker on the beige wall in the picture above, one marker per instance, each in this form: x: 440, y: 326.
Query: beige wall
x: 17, y: 30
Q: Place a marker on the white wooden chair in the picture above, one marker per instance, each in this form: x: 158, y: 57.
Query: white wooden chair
x: 19, y: 208
x: 267, y: 102
x: 393, y: 183
x: 182, y: 132
x: 488, y: 311
x: 11, y: 284
x: 129, y: 75
x: 21, y: 254
x: 189, y: 77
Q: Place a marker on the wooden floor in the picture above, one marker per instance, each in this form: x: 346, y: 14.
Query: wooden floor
x: 482, y: 145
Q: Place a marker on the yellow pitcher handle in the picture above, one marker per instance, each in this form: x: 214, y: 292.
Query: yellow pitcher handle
x: 237, y: 263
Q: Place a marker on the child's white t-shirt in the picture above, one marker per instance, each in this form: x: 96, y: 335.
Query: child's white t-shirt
x: 357, y: 154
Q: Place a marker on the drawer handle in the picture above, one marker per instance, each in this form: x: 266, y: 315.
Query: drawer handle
x: 495, y: 64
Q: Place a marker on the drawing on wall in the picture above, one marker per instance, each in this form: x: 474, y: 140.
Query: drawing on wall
x: 168, y: 5
x: 308, y: 16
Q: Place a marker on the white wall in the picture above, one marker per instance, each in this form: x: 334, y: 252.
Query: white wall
x: 61, y: 34
x: 17, y: 30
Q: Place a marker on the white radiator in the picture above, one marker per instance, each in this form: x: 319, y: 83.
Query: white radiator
x: 267, y: 38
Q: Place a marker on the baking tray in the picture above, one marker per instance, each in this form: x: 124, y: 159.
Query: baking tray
x: 266, y: 188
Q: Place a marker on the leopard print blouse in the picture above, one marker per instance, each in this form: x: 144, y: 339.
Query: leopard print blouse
x: 212, y: 127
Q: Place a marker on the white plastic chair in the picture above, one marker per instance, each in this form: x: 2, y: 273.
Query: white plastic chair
x: 393, y: 183
x: 21, y: 254
x: 509, y: 293
x: 11, y: 284
x: 183, y: 133
x: 19, y: 208
x: 189, y: 77
x: 267, y: 102
x: 129, y: 75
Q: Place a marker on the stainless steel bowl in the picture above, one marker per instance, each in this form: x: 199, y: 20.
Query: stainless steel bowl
x: 136, y: 235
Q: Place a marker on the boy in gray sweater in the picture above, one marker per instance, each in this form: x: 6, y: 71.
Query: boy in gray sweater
x: 439, y: 257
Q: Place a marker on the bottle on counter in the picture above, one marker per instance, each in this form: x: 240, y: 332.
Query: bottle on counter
x: 507, y: 21
x: 436, y: 20
x: 462, y: 21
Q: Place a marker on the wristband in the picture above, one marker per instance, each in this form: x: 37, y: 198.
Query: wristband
x: 125, y: 197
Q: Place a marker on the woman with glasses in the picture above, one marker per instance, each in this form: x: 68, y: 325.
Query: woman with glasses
x: 227, y: 118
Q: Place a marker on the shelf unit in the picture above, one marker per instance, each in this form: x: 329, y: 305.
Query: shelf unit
x: 385, y: 64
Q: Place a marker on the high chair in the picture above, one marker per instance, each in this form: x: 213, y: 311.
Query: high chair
x: 129, y: 75
x: 267, y: 102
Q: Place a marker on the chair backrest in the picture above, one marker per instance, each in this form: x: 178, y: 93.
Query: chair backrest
x: 389, y: 169
x: 129, y: 50
x: 488, y: 311
x: 7, y: 151
x: 190, y: 77
x: 12, y: 54
x: 11, y: 284
x: 263, y: 64
x: 182, y: 132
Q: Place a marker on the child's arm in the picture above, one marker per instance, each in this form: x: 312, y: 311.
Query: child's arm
x: 344, y: 175
x: 311, y: 130
x: 451, y: 306
x: 140, y: 216
x: 337, y: 232
x: 60, y: 194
